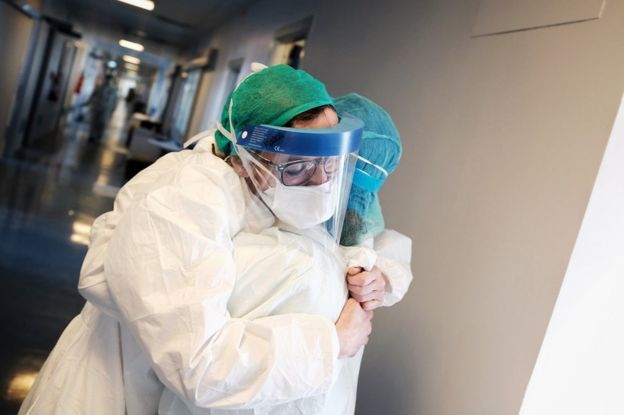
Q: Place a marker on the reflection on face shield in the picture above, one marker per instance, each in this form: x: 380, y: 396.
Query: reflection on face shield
x: 303, y: 171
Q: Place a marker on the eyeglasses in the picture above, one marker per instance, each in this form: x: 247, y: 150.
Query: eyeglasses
x: 299, y: 172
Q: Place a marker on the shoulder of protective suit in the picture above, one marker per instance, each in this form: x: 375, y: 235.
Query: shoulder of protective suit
x: 394, y: 255
x: 395, y: 243
x: 186, y: 169
x: 190, y: 184
x: 143, y: 181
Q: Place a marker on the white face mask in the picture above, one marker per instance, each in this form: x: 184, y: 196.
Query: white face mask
x: 302, y: 206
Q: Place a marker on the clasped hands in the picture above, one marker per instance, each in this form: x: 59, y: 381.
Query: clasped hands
x: 367, y: 290
x: 366, y: 287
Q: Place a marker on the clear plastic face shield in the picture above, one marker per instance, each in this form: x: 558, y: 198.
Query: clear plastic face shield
x: 363, y: 217
x: 303, y: 175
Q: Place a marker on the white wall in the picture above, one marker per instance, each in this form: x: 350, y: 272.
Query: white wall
x: 503, y: 137
x: 581, y: 365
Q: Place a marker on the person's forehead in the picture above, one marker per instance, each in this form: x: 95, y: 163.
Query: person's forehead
x: 328, y: 118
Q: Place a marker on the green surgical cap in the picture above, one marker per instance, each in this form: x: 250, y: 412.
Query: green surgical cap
x: 381, y: 145
x: 272, y: 96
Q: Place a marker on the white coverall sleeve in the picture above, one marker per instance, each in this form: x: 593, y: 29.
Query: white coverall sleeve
x: 394, y: 255
x: 92, y: 284
x: 170, y: 270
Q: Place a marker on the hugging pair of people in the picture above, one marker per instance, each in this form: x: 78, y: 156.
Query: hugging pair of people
x: 239, y: 277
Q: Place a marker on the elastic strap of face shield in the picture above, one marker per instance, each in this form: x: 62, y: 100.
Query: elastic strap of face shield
x: 196, y: 138
x: 366, y: 181
x: 231, y: 134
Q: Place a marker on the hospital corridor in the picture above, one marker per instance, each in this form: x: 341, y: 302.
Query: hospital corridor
x: 457, y: 166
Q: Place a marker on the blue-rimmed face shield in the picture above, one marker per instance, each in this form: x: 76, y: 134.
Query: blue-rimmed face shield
x: 344, y: 138
x: 303, y: 175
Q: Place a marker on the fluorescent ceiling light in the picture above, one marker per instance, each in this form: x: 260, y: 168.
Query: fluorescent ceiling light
x: 131, y: 59
x: 131, y: 45
x: 131, y: 67
x: 144, y: 4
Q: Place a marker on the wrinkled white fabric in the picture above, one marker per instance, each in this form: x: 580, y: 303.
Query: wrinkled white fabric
x: 159, y: 278
x: 83, y: 374
x: 304, y: 277
x: 279, y: 273
x: 171, y: 272
x: 163, y: 256
x: 87, y: 371
x: 359, y: 256
x: 394, y: 256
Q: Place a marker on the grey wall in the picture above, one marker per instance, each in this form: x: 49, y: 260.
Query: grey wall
x: 503, y: 136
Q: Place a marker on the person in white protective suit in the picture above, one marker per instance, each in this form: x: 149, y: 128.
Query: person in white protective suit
x: 310, y: 279
x: 160, y: 278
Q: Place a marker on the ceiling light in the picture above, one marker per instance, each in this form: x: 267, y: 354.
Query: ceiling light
x: 131, y: 67
x: 131, y: 59
x: 144, y: 4
x: 131, y: 45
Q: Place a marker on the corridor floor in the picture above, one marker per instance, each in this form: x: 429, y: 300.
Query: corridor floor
x: 47, y: 205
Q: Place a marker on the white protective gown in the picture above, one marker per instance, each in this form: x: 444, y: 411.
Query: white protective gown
x: 170, y: 310
x: 307, y: 279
